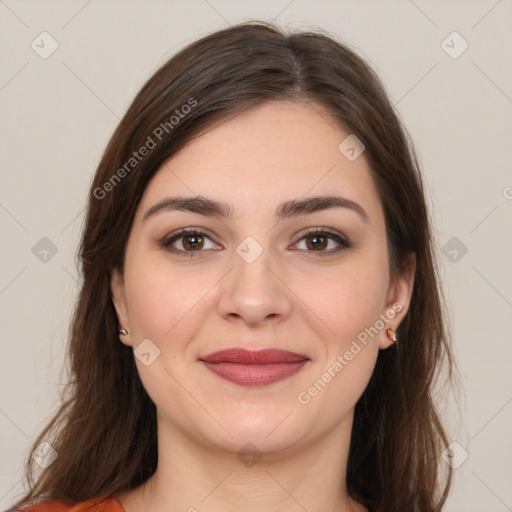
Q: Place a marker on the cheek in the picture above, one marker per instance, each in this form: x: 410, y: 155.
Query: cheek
x: 164, y: 306
x: 348, y: 301
x: 349, y: 304
x: 160, y: 298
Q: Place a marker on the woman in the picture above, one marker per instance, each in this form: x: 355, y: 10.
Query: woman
x: 260, y: 322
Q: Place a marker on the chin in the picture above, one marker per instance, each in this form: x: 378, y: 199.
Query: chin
x: 269, y: 431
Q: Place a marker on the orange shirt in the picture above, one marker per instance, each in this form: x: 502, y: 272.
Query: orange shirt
x: 108, y: 504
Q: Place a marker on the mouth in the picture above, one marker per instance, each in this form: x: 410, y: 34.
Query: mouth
x: 254, y: 368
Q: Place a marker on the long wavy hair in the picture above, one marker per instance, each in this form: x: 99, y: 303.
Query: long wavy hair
x: 105, y: 429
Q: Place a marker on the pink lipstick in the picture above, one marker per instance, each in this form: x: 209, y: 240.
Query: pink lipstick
x: 254, y: 368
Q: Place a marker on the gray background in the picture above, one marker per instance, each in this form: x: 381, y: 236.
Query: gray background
x: 57, y: 114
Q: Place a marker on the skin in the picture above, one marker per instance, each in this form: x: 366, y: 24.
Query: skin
x: 291, y: 297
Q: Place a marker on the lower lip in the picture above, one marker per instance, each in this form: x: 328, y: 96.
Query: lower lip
x: 255, y: 374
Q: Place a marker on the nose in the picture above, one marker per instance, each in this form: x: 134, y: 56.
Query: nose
x: 254, y: 293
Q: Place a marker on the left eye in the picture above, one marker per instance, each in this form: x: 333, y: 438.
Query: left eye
x: 318, y: 241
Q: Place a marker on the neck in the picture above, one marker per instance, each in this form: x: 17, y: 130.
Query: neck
x: 194, y: 477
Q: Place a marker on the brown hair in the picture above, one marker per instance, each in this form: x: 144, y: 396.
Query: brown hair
x: 105, y: 430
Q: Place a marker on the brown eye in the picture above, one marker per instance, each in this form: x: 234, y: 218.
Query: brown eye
x: 188, y: 242
x: 323, y: 242
x: 191, y: 242
x: 315, y: 242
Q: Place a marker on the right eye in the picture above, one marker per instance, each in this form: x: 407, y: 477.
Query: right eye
x: 187, y: 241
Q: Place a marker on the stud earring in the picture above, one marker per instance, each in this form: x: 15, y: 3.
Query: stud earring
x: 391, y: 334
x: 122, y: 332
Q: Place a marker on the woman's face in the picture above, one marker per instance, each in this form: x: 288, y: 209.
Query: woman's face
x: 260, y: 278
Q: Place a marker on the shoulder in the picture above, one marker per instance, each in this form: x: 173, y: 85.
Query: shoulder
x: 108, y: 504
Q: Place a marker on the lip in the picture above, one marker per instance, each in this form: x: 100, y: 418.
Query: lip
x: 242, y: 356
x: 254, y: 368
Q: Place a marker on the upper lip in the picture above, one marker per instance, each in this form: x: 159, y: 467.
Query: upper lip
x: 242, y: 356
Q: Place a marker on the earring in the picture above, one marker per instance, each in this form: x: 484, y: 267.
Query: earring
x: 391, y: 334
x: 122, y: 332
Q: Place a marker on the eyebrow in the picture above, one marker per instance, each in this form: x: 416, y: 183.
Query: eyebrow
x: 292, y: 208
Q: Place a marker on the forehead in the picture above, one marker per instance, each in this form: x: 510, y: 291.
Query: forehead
x: 269, y: 154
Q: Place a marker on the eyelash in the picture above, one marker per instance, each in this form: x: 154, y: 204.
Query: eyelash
x: 344, y: 243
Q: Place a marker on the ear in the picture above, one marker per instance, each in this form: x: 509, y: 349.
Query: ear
x: 398, y: 299
x: 119, y: 300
